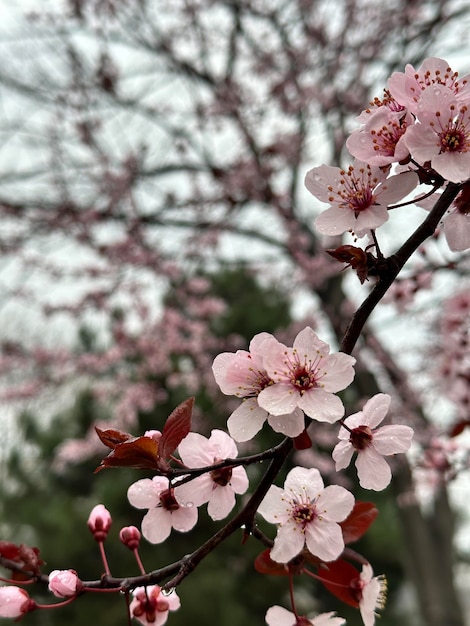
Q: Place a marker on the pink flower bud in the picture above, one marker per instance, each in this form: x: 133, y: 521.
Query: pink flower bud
x: 99, y: 522
x: 130, y: 537
x: 64, y: 583
x: 15, y: 602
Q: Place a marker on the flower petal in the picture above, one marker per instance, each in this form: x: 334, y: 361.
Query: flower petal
x: 290, y: 425
x: 324, y: 539
x: 392, y: 439
x: 288, y: 543
x: 372, y: 469
x: 247, y: 420
x: 321, y: 405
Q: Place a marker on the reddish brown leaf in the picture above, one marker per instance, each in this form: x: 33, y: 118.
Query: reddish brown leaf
x: 337, y: 577
x: 138, y: 453
x: 265, y: 565
x: 111, y: 437
x: 459, y: 427
x: 26, y: 557
x: 358, y: 521
x: 176, y: 427
x: 302, y: 441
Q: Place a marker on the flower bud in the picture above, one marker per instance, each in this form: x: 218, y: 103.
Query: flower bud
x: 15, y: 602
x: 99, y: 522
x: 130, y: 537
x: 64, y: 583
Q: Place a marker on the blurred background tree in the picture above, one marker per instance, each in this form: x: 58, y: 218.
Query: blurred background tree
x: 153, y: 215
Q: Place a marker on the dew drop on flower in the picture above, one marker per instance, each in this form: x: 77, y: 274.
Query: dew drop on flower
x: 167, y: 592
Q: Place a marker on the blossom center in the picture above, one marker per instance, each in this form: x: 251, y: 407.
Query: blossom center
x: 222, y: 476
x: 361, y: 437
x: 168, y: 500
x: 452, y: 140
x: 303, y: 379
x: 304, y: 512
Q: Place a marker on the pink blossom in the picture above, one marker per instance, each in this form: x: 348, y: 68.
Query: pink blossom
x: 165, y: 511
x: 442, y: 136
x: 306, y: 513
x: 371, y: 592
x: 150, y: 606
x: 99, y: 522
x: 243, y: 374
x: 407, y: 87
x: 358, y: 196
x: 306, y: 377
x: 371, y: 445
x: 380, y: 141
x: 279, y: 616
x: 64, y: 583
x: 15, y: 602
x: 217, y: 487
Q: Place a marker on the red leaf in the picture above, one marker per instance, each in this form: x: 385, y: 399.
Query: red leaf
x: 138, y: 453
x: 459, y: 427
x: 337, y: 577
x: 111, y: 438
x: 358, y: 521
x: 265, y: 565
x: 26, y: 557
x: 176, y: 427
x: 302, y: 441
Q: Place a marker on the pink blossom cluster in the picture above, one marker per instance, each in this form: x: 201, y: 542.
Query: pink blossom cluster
x: 282, y: 385
x: 422, y: 124
x: 175, y: 506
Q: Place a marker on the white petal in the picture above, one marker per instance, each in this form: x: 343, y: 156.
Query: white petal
x: 290, y: 425
x: 224, y: 446
x: 321, y: 405
x: 288, y: 543
x: 156, y: 525
x: 304, y: 481
x: 372, y: 469
x: 375, y: 409
x: 143, y: 495
x: 392, y: 439
x: 335, y: 503
x: 279, y: 616
x: 221, y: 502
x: 273, y: 507
x: 279, y: 399
x: 184, y: 518
x: 342, y: 454
x: 324, y: 539
x: 195, y: 451
x: 247, y: 420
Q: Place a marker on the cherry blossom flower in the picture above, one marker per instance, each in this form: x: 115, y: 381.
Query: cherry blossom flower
x: 64, y: 583
x: 407, y: 87
x: 306, y: 514
x: 150, y: 606
x: 165, y: 511
x: 15, y: 602
x: 371, y: 592
x: 442, y: 136
x: 306, y: 376
x: 279, y: 616
x: 358, y: 196
x: 388, y: 102
x: 99, y: 522
x: 371, y: 445
x: 380, y: 141
x: 243, y: 374
x: 219, y: 486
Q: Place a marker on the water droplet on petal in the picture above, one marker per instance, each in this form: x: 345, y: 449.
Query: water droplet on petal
x: 167, y: 592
